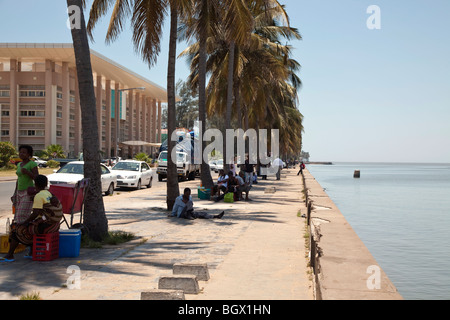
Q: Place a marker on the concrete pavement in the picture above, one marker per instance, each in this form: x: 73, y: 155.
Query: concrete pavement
x: 257, y: 251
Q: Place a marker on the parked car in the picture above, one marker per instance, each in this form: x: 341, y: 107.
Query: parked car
x: 133, y: 174
x: 219, y: 166
x: 73, y: 172
x: 213, y: 165
x: 41, y: 163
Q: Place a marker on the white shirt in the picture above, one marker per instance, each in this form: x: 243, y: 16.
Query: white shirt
x: 221, y: 178
x: 277, y: 162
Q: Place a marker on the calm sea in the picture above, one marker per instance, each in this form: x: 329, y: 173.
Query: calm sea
x: 402, y: 214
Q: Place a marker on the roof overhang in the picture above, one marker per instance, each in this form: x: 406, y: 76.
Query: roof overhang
x: 140, y: 143
x: 101, y: 65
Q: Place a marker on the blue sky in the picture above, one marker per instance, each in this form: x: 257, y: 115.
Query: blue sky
x: 367, y: 95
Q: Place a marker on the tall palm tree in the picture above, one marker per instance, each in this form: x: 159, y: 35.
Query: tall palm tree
x: 209, y: 17
x: 147, y: 18
x: 94, y: 210
x: 200, y: 25
x: 261, y: 71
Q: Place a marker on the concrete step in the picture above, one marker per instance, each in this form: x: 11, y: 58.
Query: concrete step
x: 198, y: 270
x: 187, y: 283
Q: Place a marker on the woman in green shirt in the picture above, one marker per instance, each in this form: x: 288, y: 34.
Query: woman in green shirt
x: 27, y: 171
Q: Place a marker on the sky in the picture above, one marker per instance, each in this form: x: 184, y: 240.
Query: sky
x: 368, y: 95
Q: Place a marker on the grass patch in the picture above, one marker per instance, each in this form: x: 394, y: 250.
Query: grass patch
x: 113, y: 238
x: 31, y: 296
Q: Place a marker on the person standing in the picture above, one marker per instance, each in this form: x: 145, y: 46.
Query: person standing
x: 248, y: 172
x: 278, y: 165
x: 27, y: 171
x: 302, y: 166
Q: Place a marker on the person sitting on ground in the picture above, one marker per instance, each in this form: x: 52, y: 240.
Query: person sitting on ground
x: 184, y: 208
x: 243, y: 186
x: 45, y: 218
x: 222, y: 183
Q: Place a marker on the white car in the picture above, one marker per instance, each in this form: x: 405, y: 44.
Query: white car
x: 41, y: 163
x: 213, y: 165
x: 219, y: 166
x: 133, y: 174
x: 73, y: 172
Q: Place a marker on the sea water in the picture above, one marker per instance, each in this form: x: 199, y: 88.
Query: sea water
x: 402, y: 214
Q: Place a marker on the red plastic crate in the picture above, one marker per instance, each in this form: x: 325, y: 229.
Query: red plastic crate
x: 46, y: 246
x: 66, y: 194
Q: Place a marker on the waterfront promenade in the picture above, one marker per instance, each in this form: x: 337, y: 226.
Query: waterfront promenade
x: 257, y: 251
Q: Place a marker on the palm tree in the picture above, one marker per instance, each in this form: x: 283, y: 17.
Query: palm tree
x: 261, y: 72
x: 209, y: 16
x: 94, y: 210
x: 53, y: 151
x: 147, y: 18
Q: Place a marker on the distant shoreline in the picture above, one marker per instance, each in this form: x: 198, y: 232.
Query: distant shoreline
x: 319, y: 162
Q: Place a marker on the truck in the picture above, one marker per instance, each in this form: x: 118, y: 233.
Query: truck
x: 187, y: 169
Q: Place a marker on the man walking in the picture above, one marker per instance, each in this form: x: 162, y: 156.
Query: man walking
x: 278, y: 165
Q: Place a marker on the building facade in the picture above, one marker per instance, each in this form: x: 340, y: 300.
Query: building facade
x: 40, y: 105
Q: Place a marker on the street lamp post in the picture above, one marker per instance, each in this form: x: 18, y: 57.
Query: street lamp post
x: 117, y: 113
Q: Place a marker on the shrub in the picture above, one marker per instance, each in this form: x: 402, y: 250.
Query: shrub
x: 143, y: 157
x: 7, y: 150
x: 52, y: 164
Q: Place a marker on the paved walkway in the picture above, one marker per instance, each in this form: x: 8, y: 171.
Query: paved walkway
x: 257, y: 251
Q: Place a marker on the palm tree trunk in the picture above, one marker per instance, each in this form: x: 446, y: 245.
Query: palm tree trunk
x: 205, y: 175
x: 229, y: 103
x: 94, y: 210
x: 237, y: 98
x: 173, y: 190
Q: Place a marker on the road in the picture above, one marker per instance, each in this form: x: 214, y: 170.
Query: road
x: 6, y: 191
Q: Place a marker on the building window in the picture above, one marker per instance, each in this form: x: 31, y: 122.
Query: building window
x: 4, y: 93
x: 5, y: 113
x: 59, y: 133
x: 32, y: 133
x: 5, y: 132
x: 59, y: 115
x: 32, y: 113
x: 32, y: 93
x: 59, y: 95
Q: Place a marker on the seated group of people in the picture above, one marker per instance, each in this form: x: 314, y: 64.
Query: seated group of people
x: 45, y: 218
x: 237, y: 184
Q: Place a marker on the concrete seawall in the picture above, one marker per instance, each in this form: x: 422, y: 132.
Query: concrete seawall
x: 343, y: 267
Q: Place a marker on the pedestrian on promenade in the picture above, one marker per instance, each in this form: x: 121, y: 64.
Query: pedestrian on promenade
x: 248, y: 172
x: 184, y: 208
x: 302, y: 166
x: 278, y: 165
x: 46, y: 217
x: 27, y: 171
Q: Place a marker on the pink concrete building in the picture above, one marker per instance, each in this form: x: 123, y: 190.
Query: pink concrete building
x: 40, y: 105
